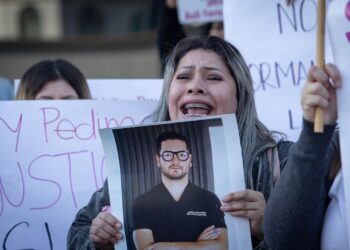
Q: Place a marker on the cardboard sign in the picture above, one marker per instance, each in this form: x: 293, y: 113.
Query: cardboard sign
x: 278, y: 42
x: 217, y: 168
x: 199, y: 11
x: 51, y: 162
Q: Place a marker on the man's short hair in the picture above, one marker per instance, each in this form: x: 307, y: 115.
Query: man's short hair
x: 171, y: 135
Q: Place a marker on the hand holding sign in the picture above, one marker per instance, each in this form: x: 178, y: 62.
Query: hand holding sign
x: 318, y: 92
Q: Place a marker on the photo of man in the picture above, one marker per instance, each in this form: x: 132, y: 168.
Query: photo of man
x: 177, y: 213
x: 170, y: 177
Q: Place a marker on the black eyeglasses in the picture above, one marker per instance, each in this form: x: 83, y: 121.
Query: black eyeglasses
x: 181, y: 155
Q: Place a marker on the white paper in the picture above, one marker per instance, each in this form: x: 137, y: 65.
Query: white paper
x: 278, y: 42
x: 51, y: 162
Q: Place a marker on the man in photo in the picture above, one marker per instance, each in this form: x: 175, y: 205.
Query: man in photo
x: 177, y: 213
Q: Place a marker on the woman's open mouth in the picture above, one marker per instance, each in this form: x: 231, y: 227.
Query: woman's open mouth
x: 196, y: 109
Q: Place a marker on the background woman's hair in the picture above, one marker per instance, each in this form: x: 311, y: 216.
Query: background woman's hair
x: 255, y: 137
x: 35, y: 78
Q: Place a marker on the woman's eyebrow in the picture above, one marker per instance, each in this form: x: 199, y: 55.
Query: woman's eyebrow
x: 204, y: 67
x: 212, y: 68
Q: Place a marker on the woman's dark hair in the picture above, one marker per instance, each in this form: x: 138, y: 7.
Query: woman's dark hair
x: 35, y: 78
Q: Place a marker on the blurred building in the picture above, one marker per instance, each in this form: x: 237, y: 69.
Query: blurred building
x: 30, y: 19
x: 105, y: 38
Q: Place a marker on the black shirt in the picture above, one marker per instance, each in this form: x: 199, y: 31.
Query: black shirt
x: 177, y: 221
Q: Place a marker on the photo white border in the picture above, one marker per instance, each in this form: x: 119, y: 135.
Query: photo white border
x: 238, y: 228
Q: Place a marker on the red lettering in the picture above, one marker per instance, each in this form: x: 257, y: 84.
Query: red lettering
x: 212, y: 13
x: 17, y: 130
x: 192, y: 15
x: 92, y: 126
x: 61, y: 129
x: 3, y: 193
x: 211, y: 3
x: 70, y: 172
x: 51, y: 121
x: 44, y: 180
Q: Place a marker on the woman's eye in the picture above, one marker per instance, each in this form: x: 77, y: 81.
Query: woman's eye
x: 183, y: 77
x: 214, y: 78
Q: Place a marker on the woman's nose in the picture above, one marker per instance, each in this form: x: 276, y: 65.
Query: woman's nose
x: 196, y: 87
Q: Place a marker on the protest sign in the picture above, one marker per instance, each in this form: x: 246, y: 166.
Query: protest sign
x: 51, y: 162
x: 217, y: 167
x: 122, y: 89
x: 278, y: 42
x: 199, y: 11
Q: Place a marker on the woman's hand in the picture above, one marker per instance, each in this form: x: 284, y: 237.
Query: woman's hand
x: 247, y: 204
x: 319, y: 92
x: 104, y: 231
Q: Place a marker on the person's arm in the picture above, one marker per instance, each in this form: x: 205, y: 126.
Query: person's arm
x: 143, y: 238
x: 294, y: 213
x: 219, y: 242
x: 90, y: 223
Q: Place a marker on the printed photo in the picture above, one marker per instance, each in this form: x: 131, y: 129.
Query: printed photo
x: 170, y: 178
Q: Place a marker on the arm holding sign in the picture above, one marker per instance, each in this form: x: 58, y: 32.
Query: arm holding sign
x: 94, y: 228
x: 297, y: 205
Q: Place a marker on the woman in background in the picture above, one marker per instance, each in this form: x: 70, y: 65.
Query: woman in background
x: 53, y: 80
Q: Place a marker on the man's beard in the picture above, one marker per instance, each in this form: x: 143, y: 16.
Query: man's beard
x: 174, y: 177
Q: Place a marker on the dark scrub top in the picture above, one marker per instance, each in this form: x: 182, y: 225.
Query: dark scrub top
x: 177, y: 221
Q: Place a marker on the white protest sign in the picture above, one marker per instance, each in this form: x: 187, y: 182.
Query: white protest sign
x: 199, y: 11
x: 125, y: 89
x: 51, y: 162
x: 338, y: 19
x: 122, y: 89
x: 278, y: 43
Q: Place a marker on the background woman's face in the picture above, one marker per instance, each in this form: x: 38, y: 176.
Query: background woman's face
x: 57, y: 90
x: 202, y: 85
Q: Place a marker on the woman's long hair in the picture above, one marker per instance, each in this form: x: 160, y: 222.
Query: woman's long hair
x: 255, y: 137
x: 38, y: 75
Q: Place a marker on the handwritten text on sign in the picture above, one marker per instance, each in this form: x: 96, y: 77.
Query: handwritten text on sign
x: 51, y: 162
x: 278, y: 57
x: 199, y: 11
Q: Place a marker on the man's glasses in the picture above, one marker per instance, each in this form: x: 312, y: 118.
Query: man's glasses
x: 169, y: 155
